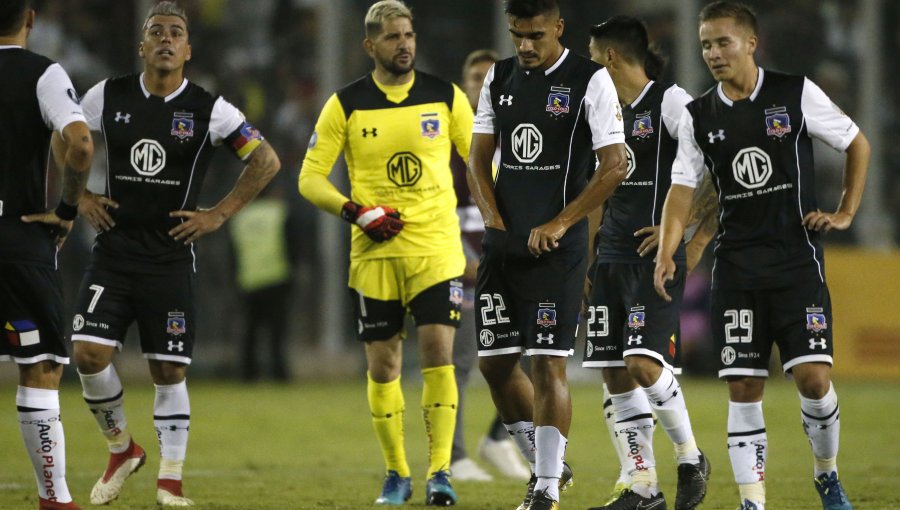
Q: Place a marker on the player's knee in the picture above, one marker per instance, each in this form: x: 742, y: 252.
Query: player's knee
x: 497, y: 369
x: 644, y: 370
x: 43, y: 374
x: 90, y: 358
x: 166, y: 373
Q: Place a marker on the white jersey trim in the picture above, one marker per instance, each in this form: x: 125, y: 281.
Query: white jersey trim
x: 642, y: 94
x: 674, y: 101
x: 825, y: 120
x: 688, y: 167
x: 602, y: 111
x: 57, y: 99
x: 34, y: 359
x: 500, y: 352
x: 92, y: 104
x: 558, y: 62
x: 745, y: 372
x: 759, y: 82
x: 484, y: 112
x: 812, y: 358
x: 173, y: 95
x: 224, y: 119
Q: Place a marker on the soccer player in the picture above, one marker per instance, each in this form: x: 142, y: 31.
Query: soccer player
x: 754, y: 130
x: 551, y: 112
x: 161, y: 131
x: 396, y: 127
x: 495, y: 447
x: 36, y: 98
x: 631, y: 330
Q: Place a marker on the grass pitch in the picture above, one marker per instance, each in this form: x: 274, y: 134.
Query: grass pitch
x: 311, y: 445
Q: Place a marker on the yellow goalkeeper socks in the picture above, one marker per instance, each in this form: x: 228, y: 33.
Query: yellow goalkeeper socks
x: 387, y: 406
x: 439, y: 402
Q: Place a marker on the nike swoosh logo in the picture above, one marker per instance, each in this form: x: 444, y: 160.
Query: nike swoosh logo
x: 642, y: 506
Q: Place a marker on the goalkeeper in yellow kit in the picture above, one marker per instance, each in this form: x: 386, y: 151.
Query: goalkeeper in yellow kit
x: 396, y: 127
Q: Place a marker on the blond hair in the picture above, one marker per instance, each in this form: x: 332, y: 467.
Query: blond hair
x: 166, y: 9
x: 384, y: 11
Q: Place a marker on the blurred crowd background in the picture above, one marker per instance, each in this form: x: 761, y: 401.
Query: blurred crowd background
x: 278, y: 60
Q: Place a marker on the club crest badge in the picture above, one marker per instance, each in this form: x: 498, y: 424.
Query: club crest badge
x: 183, y: 125
x: 558, y: 100
x: 778, y: 122
x: 643, y: 125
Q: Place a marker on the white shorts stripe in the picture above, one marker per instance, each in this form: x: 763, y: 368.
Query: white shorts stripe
x: 34, y: 359
x: 97, y: 340
x: 744, y: 372
x: 499, y: 352
x: 168, y: 357
x: 812, y: 358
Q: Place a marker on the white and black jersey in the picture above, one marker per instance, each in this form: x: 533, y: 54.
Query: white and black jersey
x: 760, y: 154
x: 548, y: 125
x: 158, y: 151
x: 651, y: 141
x: 36, y: 98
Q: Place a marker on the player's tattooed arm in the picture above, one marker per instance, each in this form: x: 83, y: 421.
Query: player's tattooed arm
x: 704, y: 214
x: 74, y: 152
x: 260, y: 169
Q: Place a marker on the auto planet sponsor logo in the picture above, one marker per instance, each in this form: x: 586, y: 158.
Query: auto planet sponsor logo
x: 760, y: 465
x: 46, y: 447
x: 634, y: 449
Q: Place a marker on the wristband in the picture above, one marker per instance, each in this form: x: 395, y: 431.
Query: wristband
x: 66, y: 212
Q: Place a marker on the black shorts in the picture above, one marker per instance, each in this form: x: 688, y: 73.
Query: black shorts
x: 379, y: 320
x: 530, y: 305
x: 31, y: 314
x: 628, y: 318
x: 745, y: 324
x: 161, y: 304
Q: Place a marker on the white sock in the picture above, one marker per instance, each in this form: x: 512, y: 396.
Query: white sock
x: 755, y: 492
x: 45, y: 441
x: 634, y: 432
x: 822, y: 424
x: 667, y: 400
x: 551, y: 450
x: 522, y: 433
x: 609, y: 417
x: 747, y: 442
x: 172, y: 420
x: 105, y: 398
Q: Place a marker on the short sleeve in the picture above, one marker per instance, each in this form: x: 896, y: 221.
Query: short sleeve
x: 57, y: 98
x: 824, y: 119
x: 674, y: 100
x: 92, y: 105
x: 688, y: 168
x: 484, y: 114
x: 225, y: 119
x: 603, y: 112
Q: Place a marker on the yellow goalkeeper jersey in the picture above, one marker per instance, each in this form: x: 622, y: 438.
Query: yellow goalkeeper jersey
x: 397, y: 142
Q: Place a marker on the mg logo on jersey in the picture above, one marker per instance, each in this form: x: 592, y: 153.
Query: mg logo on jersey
x: 752, y: 167
x: 486, y: 337
x: 632, y: 164
x: 527, y: 143
x: 148, y: 157
x: 404, y: 169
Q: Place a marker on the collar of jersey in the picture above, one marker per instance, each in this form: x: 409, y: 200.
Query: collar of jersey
x: 759, y: 82
x: 556, y: 64
x: 395, y: 93
x: 168, y: 98
x: 642, y: 94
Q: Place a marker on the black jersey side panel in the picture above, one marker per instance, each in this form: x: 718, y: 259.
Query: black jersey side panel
x: 24, y: 156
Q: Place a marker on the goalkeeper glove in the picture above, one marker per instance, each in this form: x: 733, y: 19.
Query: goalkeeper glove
x: 380, y: 222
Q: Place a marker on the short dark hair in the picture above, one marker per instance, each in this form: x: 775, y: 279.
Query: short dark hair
x: 741, y: 13
x: 12, y: 15
x: 531, y: 8
x: 629, y: 36
x: 166, y: 8
x: 479, y: 56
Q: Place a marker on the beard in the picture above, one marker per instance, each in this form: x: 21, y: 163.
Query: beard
x: 396, y: 68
